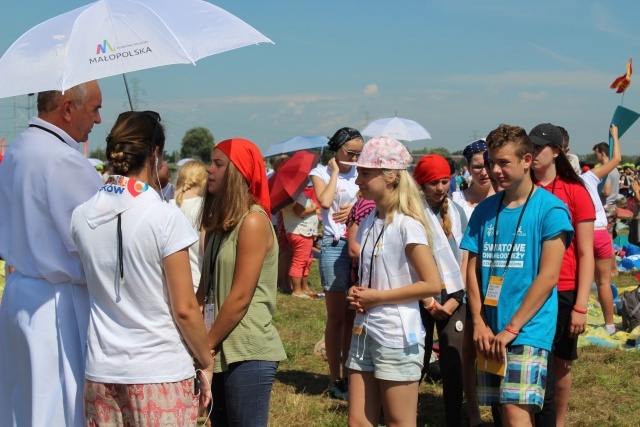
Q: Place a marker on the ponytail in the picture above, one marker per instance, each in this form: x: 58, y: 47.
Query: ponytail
x: 564, y: 169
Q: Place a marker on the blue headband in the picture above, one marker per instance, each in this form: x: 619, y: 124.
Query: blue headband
x: 474, y: 148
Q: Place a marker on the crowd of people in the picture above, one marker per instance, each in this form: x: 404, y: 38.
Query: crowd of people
x: 134, y: 301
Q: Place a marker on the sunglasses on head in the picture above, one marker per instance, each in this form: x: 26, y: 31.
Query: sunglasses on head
x: 151, y: 114
x: 155, y: 116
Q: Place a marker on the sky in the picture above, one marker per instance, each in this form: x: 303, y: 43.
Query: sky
x: 459, y: 68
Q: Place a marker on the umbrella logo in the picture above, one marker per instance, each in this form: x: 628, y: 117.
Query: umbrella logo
x: 102, y: 48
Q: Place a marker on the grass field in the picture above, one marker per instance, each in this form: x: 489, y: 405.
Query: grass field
x: 605, y: 392
x: 606, y: 382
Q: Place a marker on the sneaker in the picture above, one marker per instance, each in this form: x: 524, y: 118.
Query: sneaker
x: 338, y: 390
x: 611, y: 329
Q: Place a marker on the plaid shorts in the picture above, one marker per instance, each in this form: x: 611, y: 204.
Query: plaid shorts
x: 524, y: 382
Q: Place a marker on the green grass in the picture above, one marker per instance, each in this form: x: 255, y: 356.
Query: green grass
x: 606, y: 382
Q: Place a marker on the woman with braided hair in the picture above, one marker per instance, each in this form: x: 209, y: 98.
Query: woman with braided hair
x: 192, y: 178
x: 145, y: 322
x: 446, y: 312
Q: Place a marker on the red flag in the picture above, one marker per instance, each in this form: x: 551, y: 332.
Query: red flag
x: 623, y: 82
x: 3, y: 146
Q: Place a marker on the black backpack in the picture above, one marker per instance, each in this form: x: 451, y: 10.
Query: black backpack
x: 630, y: 310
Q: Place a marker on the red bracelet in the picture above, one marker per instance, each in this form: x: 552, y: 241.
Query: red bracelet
x: 432, y: 305
x: 579, y: 310
x: 511, y: 331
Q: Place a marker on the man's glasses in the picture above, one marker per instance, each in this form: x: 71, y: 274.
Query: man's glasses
x: 478, y: 168
x: 351, y: 153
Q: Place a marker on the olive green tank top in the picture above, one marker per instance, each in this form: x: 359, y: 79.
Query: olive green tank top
x: 255, y: 337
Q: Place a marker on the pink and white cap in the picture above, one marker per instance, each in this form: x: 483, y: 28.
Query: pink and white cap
x: 382, y: 152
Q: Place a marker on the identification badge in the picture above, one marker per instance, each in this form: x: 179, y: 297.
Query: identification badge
x: 209, y: 316
x: 357, y: 324
x: 493, y: 292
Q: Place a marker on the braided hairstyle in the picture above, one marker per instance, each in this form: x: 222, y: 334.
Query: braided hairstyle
x: 192, y: 174
x: 132, y: 141
x: 446, y: 219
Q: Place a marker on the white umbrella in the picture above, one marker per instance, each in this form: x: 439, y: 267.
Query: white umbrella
x: 297, y: 143
x: 111, y: 37
x: 397, y: 128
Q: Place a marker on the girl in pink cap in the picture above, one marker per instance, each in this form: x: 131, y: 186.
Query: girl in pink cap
x: 397, y: 270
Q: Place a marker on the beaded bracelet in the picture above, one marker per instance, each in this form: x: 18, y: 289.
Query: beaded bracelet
x: 579, y: 310
x: 511, y: 331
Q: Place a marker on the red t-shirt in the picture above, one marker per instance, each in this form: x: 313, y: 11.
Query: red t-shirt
x: 581, y: 208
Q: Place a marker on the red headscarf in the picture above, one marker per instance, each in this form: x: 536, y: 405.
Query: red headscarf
x: 431, y: 167
x: 248, y: 159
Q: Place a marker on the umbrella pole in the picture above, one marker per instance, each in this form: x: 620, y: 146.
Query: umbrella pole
x: 126, y: 86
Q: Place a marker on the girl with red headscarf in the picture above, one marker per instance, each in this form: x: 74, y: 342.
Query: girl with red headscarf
x: 238, y: 284
x: 446, y: 312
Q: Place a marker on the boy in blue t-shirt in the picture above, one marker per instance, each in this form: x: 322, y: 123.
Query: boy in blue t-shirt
x: 516, y: 241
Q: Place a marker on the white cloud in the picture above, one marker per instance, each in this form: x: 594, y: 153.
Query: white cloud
x: 561, y: 58
x: 286, y: 99
x: 542, y: 79
x: 605, y: 21
x: 534, y: 96
x: 371, y: 90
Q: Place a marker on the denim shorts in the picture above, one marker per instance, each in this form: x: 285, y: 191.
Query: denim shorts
x: 386, y: 363
x: 335, y: 265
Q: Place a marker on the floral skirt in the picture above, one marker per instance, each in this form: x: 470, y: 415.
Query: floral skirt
x: 153, y: 405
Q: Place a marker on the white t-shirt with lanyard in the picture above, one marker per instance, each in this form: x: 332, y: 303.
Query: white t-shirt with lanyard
x: 387, y: 267
x: 346, y: 190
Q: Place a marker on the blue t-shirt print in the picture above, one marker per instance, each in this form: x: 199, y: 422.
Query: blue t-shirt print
x: 544, y: 218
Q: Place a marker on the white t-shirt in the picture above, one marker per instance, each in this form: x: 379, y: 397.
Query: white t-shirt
x: 191, y: 209
x: 461, y: 200
x: 307, y: 226
x: 346, y: 190
x: 132, y: 336
x: 392, y: 325
x: 591, y: 182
